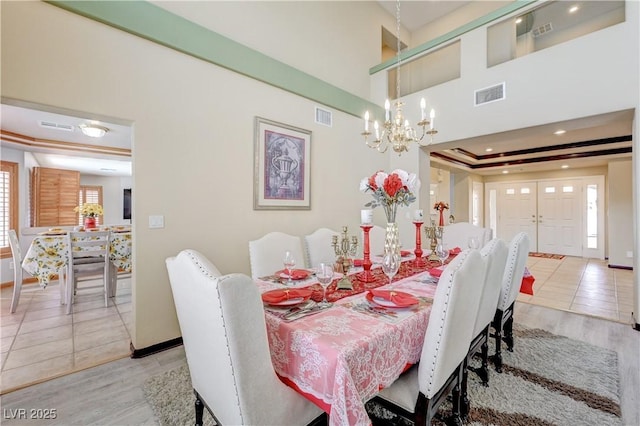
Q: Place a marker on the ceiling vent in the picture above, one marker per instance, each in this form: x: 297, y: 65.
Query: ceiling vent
x: 56, y: 126
x: 542, y: 29
x: 490, y: 94
x: 324, y: 117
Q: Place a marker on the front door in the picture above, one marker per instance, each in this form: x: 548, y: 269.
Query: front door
x: 560, y: 217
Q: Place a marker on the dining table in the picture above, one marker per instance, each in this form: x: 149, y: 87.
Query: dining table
x: 48, y: 255
x: 341, y: 356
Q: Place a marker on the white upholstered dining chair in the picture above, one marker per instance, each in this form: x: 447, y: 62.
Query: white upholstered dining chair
x: 318, y: 247
x: 511, y: 281
x: 88, y: 259
x: 418, y: 393
x: 495, y: 255
x: 458, y: 234
x: 267, y: 252
x: 225, y: 340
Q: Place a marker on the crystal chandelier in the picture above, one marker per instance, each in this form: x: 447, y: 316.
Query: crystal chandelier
x: 397, y: 132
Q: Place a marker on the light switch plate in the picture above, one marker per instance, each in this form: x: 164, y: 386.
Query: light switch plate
x: 156, y: 221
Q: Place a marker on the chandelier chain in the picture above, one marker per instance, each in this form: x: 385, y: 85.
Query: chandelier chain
x: 399, y: 63
x: 395, y: 131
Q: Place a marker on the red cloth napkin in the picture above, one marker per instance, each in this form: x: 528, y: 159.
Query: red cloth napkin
x: 296, y: 274
x: 455, y: 250
x: 283, y: 294
x: 398, y: 298
x: 435, y: 272
x: 404, y: 253
x: 358, y: 262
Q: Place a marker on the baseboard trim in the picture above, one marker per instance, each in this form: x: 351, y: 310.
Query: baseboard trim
x: 629, y: 268
x: 29, y: 280
x: 153, y: 349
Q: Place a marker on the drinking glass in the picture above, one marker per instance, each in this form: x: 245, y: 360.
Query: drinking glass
x: 324, y: 274
x: 442, y: 252
x: 289, y: 262
x: 473, y: 243
x: 390, y: 265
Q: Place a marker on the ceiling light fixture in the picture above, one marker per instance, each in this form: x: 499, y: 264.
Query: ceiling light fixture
x: 573, y: 9
x: 565, y: 166
x: 518, y: 20
x: 560, y: 132
x: 93, y: 130
x: 504, y: 172
x: 488, y: 149
x: 396, y: 131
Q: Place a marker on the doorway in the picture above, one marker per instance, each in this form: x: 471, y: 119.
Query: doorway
x: 560, y: 216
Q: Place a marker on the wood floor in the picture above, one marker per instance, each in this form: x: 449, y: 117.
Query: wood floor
x: 112, y: 394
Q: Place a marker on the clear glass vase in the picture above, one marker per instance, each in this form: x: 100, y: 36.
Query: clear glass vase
x: 391, y: 240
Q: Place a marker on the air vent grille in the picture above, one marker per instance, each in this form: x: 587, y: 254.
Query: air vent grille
x: 542, y: 29
x: 490, y: 94
x: 56, y: 126
x: 324, y: 117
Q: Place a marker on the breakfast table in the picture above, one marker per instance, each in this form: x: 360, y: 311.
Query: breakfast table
x: 48, y: 255
x: 341, y: 356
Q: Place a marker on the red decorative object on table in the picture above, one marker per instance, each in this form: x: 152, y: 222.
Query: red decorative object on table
x: 89, y: 222
x: 441, y: 206
x: 366, y: 275
x: 419, y: 261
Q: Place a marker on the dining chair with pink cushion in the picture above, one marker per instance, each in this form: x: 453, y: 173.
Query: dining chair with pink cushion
x: 495, y: 255
x: 225, y: 340
x: 267, y: 252
x: 318, y: 247
x: 511, y: 280
x: 418, y: 393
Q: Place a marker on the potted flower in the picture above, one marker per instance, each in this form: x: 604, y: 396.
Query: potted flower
x: 389, y: 191
x: 441, y: 206
x: 90, y: 211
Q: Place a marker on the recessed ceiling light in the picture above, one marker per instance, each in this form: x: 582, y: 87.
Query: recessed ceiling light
x: 565, y: 166
x: 560, y: 132
x: 489, y: 149
x: 573, y: 9
x: 504, y: 172
x: 93, y: 130
x: 518, y: 20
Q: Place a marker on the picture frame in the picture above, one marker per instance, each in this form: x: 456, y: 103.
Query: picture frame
x: 282, y: 169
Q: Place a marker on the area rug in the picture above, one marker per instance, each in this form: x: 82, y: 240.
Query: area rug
x: 547, y: 380
x: 546, y: 255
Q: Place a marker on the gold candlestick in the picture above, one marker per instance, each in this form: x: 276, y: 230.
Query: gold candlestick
x: 345, y: 250
x: 433, y: 233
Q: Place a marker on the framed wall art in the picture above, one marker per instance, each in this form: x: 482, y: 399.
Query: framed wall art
x: 282, y: 166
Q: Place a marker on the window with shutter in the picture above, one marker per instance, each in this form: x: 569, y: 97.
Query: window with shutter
x: 90, y: 194
x: 8, y: 204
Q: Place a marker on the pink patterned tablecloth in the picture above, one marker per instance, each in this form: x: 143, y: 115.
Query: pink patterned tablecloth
x: 341, y: 357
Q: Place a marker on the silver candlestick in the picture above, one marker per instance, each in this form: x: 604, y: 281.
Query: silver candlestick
x: 433, y: 233
x: 344, y: 250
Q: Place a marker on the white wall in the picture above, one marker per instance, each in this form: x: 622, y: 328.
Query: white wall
x: 193, y: 138
x: 620, y: 213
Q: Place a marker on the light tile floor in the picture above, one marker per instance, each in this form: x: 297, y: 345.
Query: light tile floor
x: 40, y: 341
x: 584, y: 286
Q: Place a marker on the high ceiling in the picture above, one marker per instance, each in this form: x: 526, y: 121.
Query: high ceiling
x: 587, y: 142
